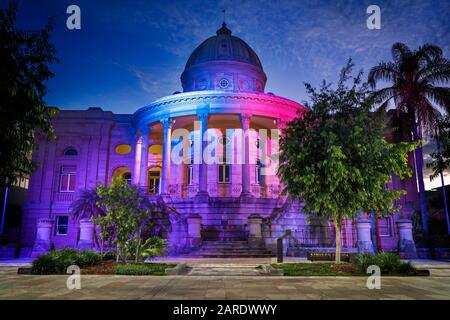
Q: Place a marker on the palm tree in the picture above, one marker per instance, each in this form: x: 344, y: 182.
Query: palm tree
x: 85, y: 206
x: 417, y: 80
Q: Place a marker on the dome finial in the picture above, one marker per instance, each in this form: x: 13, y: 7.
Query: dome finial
x: 224, y: 30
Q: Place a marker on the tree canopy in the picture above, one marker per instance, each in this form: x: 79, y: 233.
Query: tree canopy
x: 24, y: 71
x: 335, y: 156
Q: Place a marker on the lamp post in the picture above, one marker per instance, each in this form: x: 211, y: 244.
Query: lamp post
x: 4, y: 207
x: 444, y: 194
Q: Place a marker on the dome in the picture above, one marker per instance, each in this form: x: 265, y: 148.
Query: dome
x: 224, y: 62
x: 223, y: 46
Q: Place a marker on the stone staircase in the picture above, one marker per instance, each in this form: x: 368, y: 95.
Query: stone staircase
x: 230, y: 249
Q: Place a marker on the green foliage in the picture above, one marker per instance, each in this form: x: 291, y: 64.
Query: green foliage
x: 335, y: 156
x: 24, y: 70
x: 153, y: 247
x: 128, y: 212
x: 440, y: 159
x: 417, y: 86
x: 312, y: 269
x: 56, y: 262
x: 389, y: 263
x: 143, y: 269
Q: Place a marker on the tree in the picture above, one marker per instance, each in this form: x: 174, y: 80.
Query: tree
x: 440, y: 160
x: 417, y: 87
x: 335, y: 158
x: 85, y: 206
x: 128, y: 211
x: 24, y: 70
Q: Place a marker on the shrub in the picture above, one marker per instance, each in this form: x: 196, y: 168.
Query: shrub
x: 142, y: 269
x: 388, y: 262
x: 58, y: 261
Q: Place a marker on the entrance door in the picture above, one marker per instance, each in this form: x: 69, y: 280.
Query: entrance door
x: 154, y: 177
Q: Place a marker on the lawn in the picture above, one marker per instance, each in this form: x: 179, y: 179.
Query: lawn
x: 143, y: 269
x: 318, y: 269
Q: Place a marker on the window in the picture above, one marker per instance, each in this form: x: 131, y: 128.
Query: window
x: 224, y: 83
x: 123, y: 149
x: 190, y: 172
x: 62, y: 225
x: 224, y: 167
x: 259, y: 177
x: 154, y: 176
x: 384, y: 227
x: 67, y: 179
x: 71, y: 152
x: 224, y: 173
x: 127, y: 176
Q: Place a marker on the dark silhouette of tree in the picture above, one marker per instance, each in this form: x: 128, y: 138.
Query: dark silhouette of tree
x: 25, y: 57
x: 416, y: 88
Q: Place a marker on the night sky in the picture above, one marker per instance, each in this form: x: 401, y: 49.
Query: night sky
x: 129, y: 53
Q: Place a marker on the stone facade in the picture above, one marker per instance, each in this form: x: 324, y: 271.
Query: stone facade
x: 227, y: 200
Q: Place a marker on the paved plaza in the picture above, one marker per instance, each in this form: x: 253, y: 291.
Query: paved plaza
x: 220, y: 279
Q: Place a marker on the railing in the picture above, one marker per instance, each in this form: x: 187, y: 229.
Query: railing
x: 322, y: 236
x: 64, y: 196
x: 225, y: 190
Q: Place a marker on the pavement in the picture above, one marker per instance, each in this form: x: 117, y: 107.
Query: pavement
x: 221, y: 279
x: 224, y: 279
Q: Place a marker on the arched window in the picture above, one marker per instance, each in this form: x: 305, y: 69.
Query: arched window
x: 127, y: 176
x: 70, y: 152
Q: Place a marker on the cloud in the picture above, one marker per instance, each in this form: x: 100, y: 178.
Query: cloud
x: 157, y: 81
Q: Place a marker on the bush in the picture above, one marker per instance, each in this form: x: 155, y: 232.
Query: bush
x: 142, y: 269
x: 58, y: 261
x: 389, y: 263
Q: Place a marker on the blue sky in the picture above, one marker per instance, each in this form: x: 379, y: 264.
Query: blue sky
x: 129, y: 53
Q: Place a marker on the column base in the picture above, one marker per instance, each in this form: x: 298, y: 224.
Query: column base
x: 407, y: 249
x: 85, y: 245
x: 247, y: 194
x: 40, y: 248
x: 202, y: 196
x: 364, y: 246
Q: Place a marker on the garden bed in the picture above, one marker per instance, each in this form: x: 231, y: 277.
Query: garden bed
x: 389, y: 264
x: 331, y: 269
x: 57, y: 262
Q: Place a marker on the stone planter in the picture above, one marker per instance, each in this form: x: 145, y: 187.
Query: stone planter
x: 255, y: 236
x: 86, y: 234
x: 42, y: 242
x: 194, y: 226
x: 406, y: 245
x: 364, y: 242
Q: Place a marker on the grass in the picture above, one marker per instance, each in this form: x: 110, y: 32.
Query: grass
x: 142, y: 269
x: 318, y: 269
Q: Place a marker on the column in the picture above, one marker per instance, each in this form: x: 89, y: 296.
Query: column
x: 363, y: 229
x: 406, y: 245
x: 167, y: 141
x: 137, y: 160
x: 245, y: 120
x: 143, y: 181
x: 86, y: 234
x: 203, y: 178
x: 42, y: 242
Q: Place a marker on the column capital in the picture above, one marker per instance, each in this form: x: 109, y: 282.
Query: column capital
x: 245, y: 119
x: 203, y: 116
x: 145, y: 130
x: 280, y: 124
x: 167, y: 123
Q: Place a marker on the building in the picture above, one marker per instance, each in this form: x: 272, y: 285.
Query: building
x: 230, y: 206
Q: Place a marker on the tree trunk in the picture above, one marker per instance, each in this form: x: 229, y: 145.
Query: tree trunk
x: 337, y: 229
x: 422, y: 197
x: 102, y: 245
